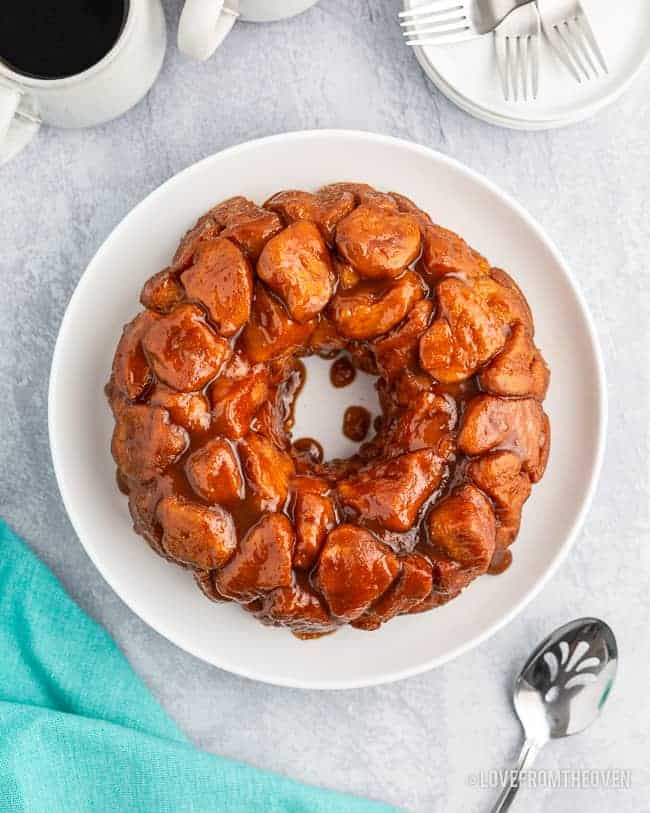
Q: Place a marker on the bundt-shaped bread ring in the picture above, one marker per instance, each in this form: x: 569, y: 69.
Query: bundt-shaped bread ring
x: 203, y: 385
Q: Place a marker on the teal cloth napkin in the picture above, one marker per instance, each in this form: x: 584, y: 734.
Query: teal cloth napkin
x: 80, y: 733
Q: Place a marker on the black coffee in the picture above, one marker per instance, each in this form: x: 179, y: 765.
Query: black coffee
x: 51, y: 40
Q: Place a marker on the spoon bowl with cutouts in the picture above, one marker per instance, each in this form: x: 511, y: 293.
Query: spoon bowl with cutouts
x: 561, y: 690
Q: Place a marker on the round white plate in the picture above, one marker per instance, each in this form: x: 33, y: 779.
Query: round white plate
x: 80, y: 423
x: 467, y: 72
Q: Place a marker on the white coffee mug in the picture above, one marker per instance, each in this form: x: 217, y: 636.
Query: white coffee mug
x: 204, y: 24
x: 102, y: 92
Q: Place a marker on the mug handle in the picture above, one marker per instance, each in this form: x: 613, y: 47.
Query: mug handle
x: 203, y: 25
x: 13, y: 138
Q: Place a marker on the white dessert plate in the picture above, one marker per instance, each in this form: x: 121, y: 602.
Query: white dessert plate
x: 80, y: 423
x: 467, y: 72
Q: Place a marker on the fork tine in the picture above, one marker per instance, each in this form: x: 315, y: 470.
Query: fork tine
x: 500, y: 48
x: 581, y: 45
x: 414, y: 23
x: 561, y: 50
x: 436, y: 5
x: 522, y: 43
x: 442, y: 27
x: 443, y: 19
x: 517, y: 51
x: 512, y: 73
x: 534, y: 65
x: 445, y: 38
x: 568, y: 37
x: 583, y: 23
x: 512, y: 67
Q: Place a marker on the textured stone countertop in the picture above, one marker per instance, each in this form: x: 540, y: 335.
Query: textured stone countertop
x: 415, y: 743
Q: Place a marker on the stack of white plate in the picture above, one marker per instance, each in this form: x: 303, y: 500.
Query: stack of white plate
x: 467, y: 72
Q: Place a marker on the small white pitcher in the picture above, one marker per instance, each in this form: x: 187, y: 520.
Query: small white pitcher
x: 102, y: 92
x: 204, y: 24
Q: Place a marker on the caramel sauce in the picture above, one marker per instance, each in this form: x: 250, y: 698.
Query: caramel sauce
x: 501, y: 561
x: 308, y: 448
x: 288, y: 393
x: 342, y: 372
x: 122, y: 483
x: 356, y: 423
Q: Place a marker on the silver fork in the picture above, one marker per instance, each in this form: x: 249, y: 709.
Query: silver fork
x: 444, y: 21
x: 567, y: 28
x: 517, y: 41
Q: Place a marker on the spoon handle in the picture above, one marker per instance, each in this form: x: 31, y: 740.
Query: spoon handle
x: 526, y: 758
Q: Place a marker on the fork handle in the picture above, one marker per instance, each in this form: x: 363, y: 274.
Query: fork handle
x: 501, y: 8
x: 486, y: 21
x: 526, y: 758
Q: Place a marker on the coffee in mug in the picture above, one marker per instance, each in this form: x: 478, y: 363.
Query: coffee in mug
x: 56, y: 40
x: 74, y: 63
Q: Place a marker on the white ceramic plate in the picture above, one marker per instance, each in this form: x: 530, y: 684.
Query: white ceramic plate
x: 467, y: 72
x: 80, y: 423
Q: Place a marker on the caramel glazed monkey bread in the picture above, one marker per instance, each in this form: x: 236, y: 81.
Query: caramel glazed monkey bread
x: 203, y: 385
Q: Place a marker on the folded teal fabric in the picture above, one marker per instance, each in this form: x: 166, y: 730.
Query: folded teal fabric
x: 80, y: 733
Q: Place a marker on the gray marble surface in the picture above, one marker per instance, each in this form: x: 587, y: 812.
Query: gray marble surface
x: 416, y: 743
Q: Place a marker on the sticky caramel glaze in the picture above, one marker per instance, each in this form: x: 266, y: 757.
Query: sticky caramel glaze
x: 356, y: 423
x: 501, y: 561
x: 307, y: 449
x: 342, y: 372
x: 410, y: 495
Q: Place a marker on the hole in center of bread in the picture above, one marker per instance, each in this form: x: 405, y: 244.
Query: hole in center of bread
x: 320, y: 407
